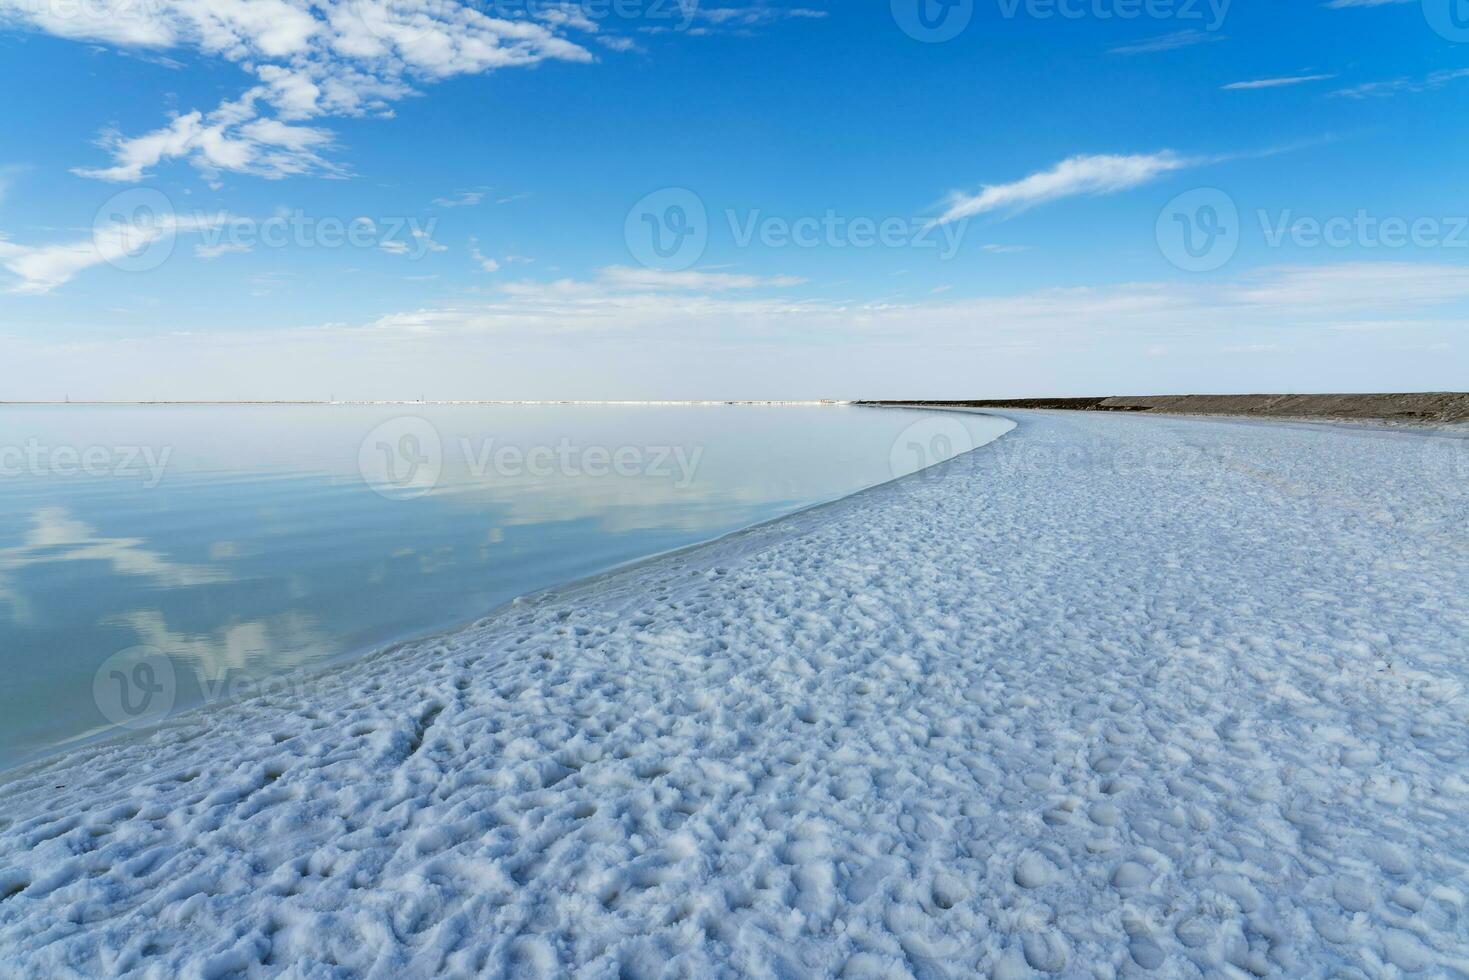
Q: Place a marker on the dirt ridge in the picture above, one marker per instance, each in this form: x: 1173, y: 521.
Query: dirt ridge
x: 1427, y: 408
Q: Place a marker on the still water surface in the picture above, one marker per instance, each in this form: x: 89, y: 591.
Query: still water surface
x: 244, y: 546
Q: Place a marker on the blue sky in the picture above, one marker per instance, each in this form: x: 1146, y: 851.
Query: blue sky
x: 864, y: 213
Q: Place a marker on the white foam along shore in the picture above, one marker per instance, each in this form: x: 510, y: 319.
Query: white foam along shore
x: 1114, y: 694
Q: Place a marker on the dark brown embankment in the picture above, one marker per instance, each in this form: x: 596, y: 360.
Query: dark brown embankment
x: 1420, y: 407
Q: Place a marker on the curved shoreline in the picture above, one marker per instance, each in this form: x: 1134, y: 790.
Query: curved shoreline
x: 581, y: 586
x: 1042, y: 711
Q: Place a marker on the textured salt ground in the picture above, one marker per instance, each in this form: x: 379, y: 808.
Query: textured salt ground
x: 1113, y: 696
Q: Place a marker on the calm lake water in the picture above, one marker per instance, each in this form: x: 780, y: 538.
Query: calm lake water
x: 153, y: 558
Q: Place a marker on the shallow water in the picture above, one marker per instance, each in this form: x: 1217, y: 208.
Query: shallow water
x: 153, y: 558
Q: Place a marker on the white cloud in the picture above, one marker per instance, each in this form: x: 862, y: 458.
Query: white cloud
x: 627, y: 277
x: 1355, y: 287
x: 752, y: 344
x: 690, y: 17
x: 627, y: 301
x: 328, y: 58
x: 1076, y: 176
x: 1275, y: 82
x: 222, y: 248
x: 42, y: 268
x: 754, y: 15
x: 228, y: 139
x: 1169, y: 42
x: 1397, y: 86
x: 485, y: 263
x: 466, y: 199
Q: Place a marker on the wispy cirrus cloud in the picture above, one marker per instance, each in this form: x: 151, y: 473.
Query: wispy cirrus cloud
x: 1338, y: 297
x: 1282, y: 82
x: 615, y: 284
x: 1168, y: 42
x: 1078, y: 176
x: 1288, y: 301
x: 627, y: 277
x: 209, y: 252
x: 1399, y: 86
x: 700, y: 20
x: 465, y: 199
x: 7, y: 177
x: 41, y: 268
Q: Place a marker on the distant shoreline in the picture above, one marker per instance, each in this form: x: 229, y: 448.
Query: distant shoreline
x: 432, y: 402
x: 1408, y: 408
x: 1403, y: 408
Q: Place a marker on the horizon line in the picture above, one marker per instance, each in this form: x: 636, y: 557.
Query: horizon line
x: 433, y: 401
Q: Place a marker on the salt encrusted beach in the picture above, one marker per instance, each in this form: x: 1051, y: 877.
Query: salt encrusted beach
x: 1113, y: 694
